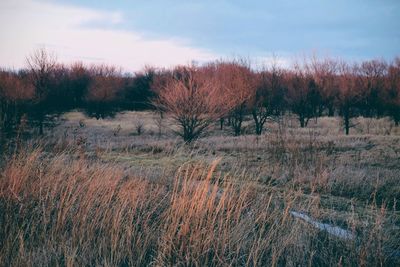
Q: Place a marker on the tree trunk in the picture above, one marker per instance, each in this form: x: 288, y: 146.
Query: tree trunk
x: 331, y: 111
x: 258, y: 123
x: 259, y: 129
x: 237, y: 127
x: 302, y: 122
x: 187, y: 134
x: 230, y: 121
x: 347, y: 122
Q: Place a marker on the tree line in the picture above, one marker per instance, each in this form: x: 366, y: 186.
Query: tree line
x: 227, y: 91
x: 46, y: 89
x: 230, y: 91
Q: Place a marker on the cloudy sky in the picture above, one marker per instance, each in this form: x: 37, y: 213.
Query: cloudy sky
x: 133, y: 34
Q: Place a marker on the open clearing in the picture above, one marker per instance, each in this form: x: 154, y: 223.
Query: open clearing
x: 343, y: 191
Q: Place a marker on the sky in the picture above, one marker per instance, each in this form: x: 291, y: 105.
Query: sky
x: 134, y: 34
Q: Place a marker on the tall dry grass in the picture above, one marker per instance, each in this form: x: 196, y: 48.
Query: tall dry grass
x: 66, y: 210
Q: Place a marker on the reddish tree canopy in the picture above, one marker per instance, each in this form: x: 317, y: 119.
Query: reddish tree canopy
x: 191, y: 100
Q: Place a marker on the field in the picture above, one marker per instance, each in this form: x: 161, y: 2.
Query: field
x: 127, y: 192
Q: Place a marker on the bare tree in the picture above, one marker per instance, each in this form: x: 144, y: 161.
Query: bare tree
x: 372, y: 75
x: 137, y: 91
x: 298, y: 95
x: 349, y: 94
x: 79, y: 80
x: 236, y: 82
x: 392, y: 91
x: 324, y: 73
x: 103, y: 90
x: 190, y: 99
x: 14, y: 91
x: 41, y: 64
x: 268, y: 99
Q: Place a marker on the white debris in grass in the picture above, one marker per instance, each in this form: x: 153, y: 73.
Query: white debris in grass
x: 330, y: 229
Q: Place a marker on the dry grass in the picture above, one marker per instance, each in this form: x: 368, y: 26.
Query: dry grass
x: 93, y: 213
x: 224, y: 201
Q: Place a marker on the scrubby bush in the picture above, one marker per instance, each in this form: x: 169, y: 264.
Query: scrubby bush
x: 190, y: 99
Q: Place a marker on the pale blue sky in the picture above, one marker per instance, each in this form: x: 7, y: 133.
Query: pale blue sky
x: 353, y: 30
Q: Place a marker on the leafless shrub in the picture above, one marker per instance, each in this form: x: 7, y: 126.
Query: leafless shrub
x: 139, y: 126
x: 191, y: 100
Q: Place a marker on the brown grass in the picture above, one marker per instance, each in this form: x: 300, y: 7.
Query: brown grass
x: 223, y: 201
x: 95, y: 213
